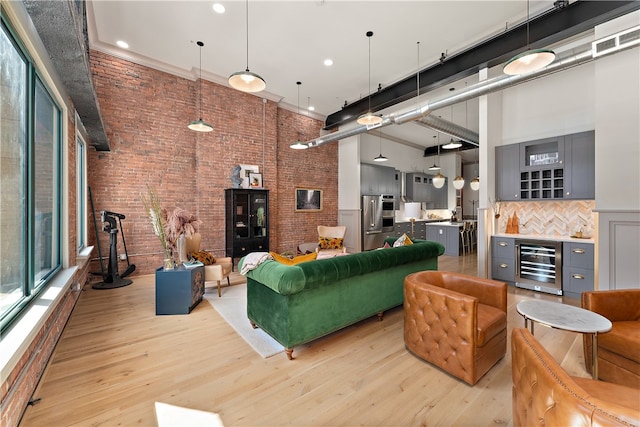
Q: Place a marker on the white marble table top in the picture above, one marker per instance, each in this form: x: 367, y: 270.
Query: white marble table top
x: 563, y: 316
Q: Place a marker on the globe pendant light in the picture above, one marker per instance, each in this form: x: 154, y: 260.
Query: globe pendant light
x: 475, y: 182
x: 380, y: 157
x: 369, y: 119
x: 438, y: 180
x: 200, y: 125
x: 435, y: 167
x: 299, y: 145
x: 529, y: 60
x: 246, y: 81
x: 458, y: 182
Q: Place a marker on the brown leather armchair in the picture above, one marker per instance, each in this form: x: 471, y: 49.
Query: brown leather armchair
x: 618, y: 349
x: 544, y: 394
x: 456, y: 321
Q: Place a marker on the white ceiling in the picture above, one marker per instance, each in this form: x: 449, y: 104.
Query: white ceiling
x: 289, y: 40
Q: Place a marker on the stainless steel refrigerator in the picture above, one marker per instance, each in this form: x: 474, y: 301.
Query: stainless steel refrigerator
x: 372, y: 236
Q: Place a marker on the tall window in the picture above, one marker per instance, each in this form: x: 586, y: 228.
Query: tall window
x: 30, y: 180
x: 81, y: 183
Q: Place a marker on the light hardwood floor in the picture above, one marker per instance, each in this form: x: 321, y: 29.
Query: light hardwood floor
x: 116, y: 358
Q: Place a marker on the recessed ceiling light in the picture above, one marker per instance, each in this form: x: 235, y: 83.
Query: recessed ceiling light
x: 328, y: 62
x: 123, y: 44
x: 218, y: 8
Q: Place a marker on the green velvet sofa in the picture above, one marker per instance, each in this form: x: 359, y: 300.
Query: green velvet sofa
x: 299, y: 303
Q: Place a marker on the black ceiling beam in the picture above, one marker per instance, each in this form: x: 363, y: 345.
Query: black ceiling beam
x: 548, y: 28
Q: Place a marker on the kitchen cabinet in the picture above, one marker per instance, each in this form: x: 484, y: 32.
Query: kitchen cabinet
x: 375, y: 179
x: 577, y: 268
x: 246, y: 221
x: 419, y: 188
x: 562, y: 167
x: 503, y: 259
x: 580, y: 160
x: 508, y: 172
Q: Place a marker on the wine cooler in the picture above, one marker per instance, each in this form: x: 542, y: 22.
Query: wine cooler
x: 539, y: 266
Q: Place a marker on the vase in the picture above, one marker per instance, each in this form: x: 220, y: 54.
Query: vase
x: 168, y: 264
x: 181, y: 243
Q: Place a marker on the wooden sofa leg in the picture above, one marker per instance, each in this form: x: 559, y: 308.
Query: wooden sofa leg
x: 380, y: 315
x: 289, y: 352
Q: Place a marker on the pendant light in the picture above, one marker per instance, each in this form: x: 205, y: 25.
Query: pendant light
x: 246, y: 81
x: 529, y: 60
x: 200, y: 125
x: 438, y: 180
x: 299, y: 145
x: 369, y: 119
x: 452, y: 144
x: 380, y: 157
x: 458, y: 181
x: 435, y: 166
x: 475, y: 182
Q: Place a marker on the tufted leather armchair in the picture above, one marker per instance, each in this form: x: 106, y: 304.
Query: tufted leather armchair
x: 456, y: 321
x: 544, y: 394
x: 618, y: 349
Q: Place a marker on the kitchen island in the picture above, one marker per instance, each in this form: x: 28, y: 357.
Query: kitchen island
x: 447, y: 234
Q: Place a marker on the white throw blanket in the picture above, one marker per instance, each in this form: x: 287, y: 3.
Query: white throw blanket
x: 253, y: 260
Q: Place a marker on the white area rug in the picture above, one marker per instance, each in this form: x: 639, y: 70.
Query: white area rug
x: 232, y: 306
x: 176, y: 416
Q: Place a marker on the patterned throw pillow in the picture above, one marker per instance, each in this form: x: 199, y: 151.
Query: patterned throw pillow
x: 403, y: 240
x: 204, y: 257
x: 331, y: 242
x: 293, y: 261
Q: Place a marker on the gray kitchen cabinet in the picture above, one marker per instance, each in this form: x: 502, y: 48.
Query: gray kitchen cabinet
x: 503, y: 258
x: 375, y: 179
x: 438, y: 197
x: 419, y: 231
x: 417, y: 187
x: 577, y: 268
x: 580, y: 161
x: 508, y: 172
x: 561, y: 167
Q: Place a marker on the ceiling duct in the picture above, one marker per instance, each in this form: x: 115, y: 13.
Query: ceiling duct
x: 450, y: 128
x: 419, y: 112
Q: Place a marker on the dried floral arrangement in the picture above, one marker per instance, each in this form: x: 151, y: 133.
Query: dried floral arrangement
x: 158, y: 217
x: 181, y: 222
x: 168, y: 228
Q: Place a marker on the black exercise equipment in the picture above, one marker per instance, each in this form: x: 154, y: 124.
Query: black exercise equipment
x: 113, y: 279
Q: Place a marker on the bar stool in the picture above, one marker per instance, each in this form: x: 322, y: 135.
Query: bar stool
x: 465, y: 240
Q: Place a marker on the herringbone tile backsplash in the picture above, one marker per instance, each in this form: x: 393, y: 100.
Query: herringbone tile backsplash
x: 552, y: 218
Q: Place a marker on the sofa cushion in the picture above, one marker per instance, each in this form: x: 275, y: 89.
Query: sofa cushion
x: 491, y: 321
x: 623, y: 339
x: 403, y: 240
x: 293, y: 261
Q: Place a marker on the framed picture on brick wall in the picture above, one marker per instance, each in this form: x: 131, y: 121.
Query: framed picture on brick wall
x: 308, y: 200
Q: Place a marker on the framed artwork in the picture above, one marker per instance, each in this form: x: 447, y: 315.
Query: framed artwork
x: 255, y: 180
x: 245, y: 170
x: 308, y: 200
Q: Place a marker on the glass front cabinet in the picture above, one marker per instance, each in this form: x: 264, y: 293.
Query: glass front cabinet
x: 246, y: 221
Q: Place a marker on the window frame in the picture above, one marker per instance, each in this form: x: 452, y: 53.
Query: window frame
x: 30, y: 287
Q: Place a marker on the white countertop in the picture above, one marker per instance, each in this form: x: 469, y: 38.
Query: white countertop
x: 448, y: 224
x: 552, y: 237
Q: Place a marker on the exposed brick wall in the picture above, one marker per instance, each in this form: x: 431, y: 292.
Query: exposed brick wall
x: 146, y: 112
